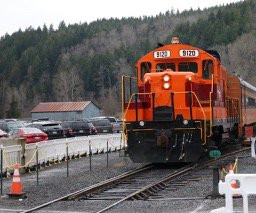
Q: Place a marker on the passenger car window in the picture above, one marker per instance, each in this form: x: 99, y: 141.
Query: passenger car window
x: 163, y: 66
x: 145, y: 67
x: 188, y: 67
x: 250, y: 101
x: 207, y: 66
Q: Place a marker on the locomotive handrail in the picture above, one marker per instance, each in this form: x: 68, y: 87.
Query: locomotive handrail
x: 200, y: 108
x: 126, y: 76
x: 124, y: 115
x: 211, y: 118
x: 123, y: 96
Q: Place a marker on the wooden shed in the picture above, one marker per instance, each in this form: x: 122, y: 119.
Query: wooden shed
x: 63, y: 111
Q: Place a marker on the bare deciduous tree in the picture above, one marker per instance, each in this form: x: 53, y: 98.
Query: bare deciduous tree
x: 68, y: 85
x: 110, y: 104
x: 239, y: 57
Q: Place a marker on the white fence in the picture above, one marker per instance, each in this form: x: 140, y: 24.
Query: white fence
x: 253, y: 147
x: 246, y: 187
x: 55, y: 150
x: 11, y: 155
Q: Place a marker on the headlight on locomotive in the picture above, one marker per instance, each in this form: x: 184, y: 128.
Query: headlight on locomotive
x: 166, y: 85
x: 185, y: 122
x: 166, y: 78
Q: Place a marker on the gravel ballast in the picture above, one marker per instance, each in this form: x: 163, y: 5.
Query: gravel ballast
x: 53, y: 183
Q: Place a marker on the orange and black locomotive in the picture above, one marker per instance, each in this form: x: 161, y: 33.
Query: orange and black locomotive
x: 183, y: 104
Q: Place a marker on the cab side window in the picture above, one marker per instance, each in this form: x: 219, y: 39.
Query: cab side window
x: 207, y: 67
x: 145, y: 67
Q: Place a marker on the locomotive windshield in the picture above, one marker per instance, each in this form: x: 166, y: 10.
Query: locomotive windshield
x: 188, y: 67
x: 164, y: 66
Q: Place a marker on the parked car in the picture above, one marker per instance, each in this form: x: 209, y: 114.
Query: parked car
x: 31, y: 135
x: 102, y: 125
x: 8, y: 126
x: 116, y: 125
x: 78, y: 128
x: 52, y: 128
x: 3, y: 134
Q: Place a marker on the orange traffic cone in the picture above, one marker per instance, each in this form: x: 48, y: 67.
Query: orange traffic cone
x: 16, y: 187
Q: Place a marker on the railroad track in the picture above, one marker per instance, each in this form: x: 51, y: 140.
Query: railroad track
x: 95, y: 188
x: 134, y: 185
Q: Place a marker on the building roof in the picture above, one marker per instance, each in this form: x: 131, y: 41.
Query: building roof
x: 61, y: 106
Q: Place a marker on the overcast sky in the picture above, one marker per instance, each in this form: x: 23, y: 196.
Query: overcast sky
x: 15, y: 14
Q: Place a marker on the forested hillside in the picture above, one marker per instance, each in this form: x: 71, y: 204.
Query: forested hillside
x: 86, y: 61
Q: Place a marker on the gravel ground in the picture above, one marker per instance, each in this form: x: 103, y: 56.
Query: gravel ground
x: 54, y: 183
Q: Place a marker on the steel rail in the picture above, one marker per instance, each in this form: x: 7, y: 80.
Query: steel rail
x: 140, y: 191
x: 93, y: 188
x: 143, y: 191
x: 111, y: 181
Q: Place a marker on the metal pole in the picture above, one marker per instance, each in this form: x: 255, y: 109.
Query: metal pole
x: 67, y: 159
x: 121, y: 140
x: 37, y: 172
x: 123, y: 90
x: 107, y: 153
x: 173, y: 109
x: 215, y: 181
x: 190, y: 106
x: 136, y: 106
x: 153, y: 106
x: 130, y: 86
x: 90, y: 156
x: 1, y: 177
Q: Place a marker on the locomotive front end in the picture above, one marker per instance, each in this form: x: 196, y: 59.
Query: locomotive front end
x: 166, y: 120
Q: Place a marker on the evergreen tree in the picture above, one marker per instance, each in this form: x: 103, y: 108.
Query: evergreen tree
x: 105, y: 49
